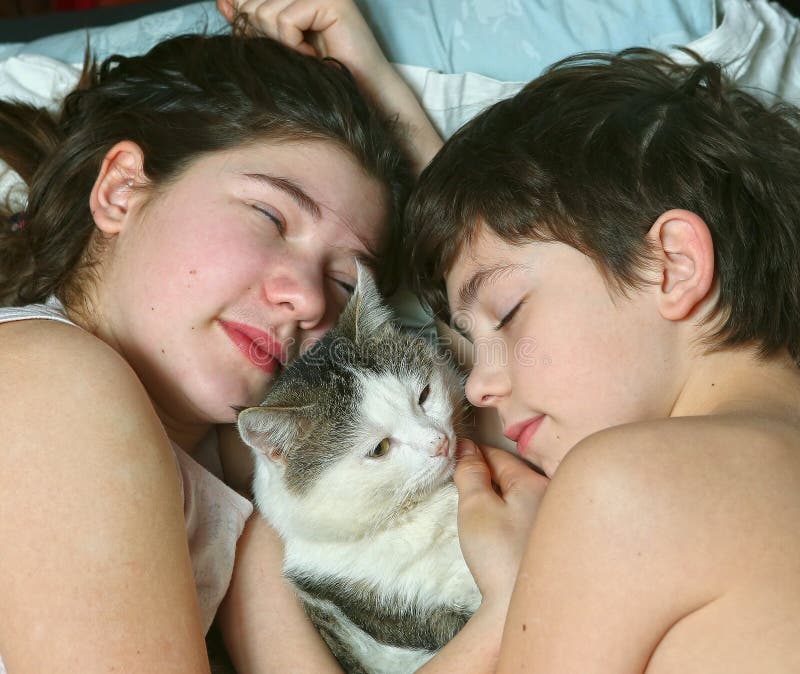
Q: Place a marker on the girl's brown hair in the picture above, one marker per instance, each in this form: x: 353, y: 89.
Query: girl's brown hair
x: 186, y: 97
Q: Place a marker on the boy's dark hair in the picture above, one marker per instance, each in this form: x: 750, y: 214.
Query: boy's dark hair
x: 595, y: 150
x: 188, y: 96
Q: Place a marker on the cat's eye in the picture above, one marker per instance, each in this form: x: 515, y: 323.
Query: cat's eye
x: 380, y: 449
x: 424, y: 395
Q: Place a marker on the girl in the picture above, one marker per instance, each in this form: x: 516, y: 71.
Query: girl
x: 193, y: 219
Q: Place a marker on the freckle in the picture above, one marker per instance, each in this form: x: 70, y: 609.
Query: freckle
x: 152, y: 308
x: 162, y: 351
x: 524, y: 627
x: 558, y: 437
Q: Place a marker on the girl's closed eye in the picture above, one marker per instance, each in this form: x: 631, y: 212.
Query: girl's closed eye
x: 273, y: 217
x: 349, y: 288
x: 505, y: 320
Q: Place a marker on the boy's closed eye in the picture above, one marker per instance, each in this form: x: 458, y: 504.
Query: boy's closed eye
x: 507, y: 318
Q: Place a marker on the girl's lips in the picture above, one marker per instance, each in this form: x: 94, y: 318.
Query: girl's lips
x: 258, y: 346
x: 523, y: 432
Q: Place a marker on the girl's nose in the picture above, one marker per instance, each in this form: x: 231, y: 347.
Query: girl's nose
x: 299, y: 293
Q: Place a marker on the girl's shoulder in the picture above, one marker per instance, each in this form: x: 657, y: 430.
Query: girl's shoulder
x: 59, y: 380
x: 54, y: 353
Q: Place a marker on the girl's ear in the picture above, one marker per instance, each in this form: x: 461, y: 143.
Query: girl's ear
x: 683, y: 244
x: 122, y: 170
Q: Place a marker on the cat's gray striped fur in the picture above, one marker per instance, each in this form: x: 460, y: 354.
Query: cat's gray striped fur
x: 354, y: 459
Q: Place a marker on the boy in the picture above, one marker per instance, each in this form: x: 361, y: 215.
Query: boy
x: 627, y: 229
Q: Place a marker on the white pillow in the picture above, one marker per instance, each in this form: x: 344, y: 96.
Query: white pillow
x: 757, y: 41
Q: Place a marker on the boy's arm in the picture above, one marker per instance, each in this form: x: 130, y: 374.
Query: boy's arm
x: 336, y: 28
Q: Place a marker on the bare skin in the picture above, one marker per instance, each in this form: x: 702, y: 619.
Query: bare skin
x: 704, y: 577
x: 81, y: 609
x: 662, y: 544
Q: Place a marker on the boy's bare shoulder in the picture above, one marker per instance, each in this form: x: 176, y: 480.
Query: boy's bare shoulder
x: 696, y: 518
x: 702, y: 450
x: 713, y: 488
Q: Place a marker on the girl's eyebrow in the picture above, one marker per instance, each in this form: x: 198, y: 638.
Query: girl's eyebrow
x: 288, y: 186
x: 367, y: 256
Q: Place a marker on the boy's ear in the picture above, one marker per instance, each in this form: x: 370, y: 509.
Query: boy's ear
x: 122, y: 170
x: 685, y: 249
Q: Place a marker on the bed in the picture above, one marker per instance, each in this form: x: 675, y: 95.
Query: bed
x: 458, y: 55
x: 455, y: 53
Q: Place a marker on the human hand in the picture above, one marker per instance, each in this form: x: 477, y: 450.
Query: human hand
x: 336, y: 29
x: 321, y: 28
x: 498, y: 497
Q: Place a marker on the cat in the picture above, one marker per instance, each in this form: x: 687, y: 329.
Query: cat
x: 354, y: 455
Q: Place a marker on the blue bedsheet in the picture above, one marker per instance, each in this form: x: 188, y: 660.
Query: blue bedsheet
x: 502, y: 39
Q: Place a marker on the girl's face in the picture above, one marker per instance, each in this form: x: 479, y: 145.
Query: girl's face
x: 554, y: 353
x: 230, y: 270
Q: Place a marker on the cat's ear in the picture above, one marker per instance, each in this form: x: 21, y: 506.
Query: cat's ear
x: 270, y: 430
x: 366, y: 312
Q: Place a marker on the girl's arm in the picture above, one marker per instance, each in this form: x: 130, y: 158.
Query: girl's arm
x: 95, y: 573
x: 336, y: 28
x: 263, y: 623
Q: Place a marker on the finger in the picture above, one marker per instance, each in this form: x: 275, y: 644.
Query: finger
x: 512, y: 475
x: 472, y: 476
x: 303, y: 18
x: 225, y: 8
x: 262, y: 14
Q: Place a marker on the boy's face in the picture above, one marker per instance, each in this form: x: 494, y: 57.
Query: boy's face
x: 555, y: 353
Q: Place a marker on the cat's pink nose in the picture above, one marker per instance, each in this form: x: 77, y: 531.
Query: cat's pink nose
x: 443, y: 449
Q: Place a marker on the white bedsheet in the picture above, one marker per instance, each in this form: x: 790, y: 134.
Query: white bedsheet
x: 757, y: 41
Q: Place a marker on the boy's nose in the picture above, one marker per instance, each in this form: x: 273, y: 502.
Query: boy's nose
x: 487, y: 384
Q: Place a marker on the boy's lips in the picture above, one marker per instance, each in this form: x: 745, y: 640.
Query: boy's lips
x: 259, y: 347
x: 522, y: 433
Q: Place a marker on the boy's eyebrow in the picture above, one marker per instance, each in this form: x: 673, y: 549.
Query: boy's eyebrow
x: 297, y: 193
x: 468, y: 292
